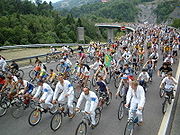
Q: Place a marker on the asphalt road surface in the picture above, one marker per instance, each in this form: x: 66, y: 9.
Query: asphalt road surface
x: 109, y: 123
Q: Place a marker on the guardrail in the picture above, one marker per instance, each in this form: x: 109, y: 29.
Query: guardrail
x: 39, y: 45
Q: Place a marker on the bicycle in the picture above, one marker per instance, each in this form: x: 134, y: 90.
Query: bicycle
x: 122, y: 108
x: 104, y: 98
x: 129, y: 128
x: 167, y: 99
x: 36, y: 115
x: 86, y: 121
x: 57, y: 118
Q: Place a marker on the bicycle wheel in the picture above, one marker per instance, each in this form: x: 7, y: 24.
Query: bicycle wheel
x: 17, y: 110
x: 77, y: 93
x: 108, y: 79
x: 35, y: 117
x: 93, y: 80
x: 164, y: 106
x: 109, y: 98
x: 88, y: 59
x: 20, y: 73
x: 56, y: 121
x: 54, y: 109
x: 161, y: 93
x: 129, y: 129
x: 3, y: 109
x: 81, y: 129
x: 32, y: 74
x: 58, y: 67
x: 89, y: 84
x: 48, y: 58
x: 97, y: 116
x: 121, y: 110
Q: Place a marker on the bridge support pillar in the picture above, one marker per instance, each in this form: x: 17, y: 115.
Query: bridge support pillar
x: 110, y: 35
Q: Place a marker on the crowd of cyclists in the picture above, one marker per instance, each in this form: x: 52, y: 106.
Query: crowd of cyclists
x: 130, y: 61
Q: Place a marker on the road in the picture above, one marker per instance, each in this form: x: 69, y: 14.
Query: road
x: 109, y: 123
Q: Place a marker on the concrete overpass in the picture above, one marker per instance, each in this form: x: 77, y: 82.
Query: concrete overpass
x: 111, y: 26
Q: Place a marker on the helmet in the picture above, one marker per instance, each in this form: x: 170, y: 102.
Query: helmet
x: 144, y: 70
x: 62, y: 60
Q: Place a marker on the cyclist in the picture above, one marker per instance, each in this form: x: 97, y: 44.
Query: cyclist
x: 123, y: 86
x: 143, y: 78
x: 155, y: 57
x: 91, y: 103
x: 83, y: 73
x: 149, y: 65
x: 51, y: 76
x: 67, y: 61
x: 2, y: 81
x: 136, y: 99
x: 64, y: 68
x: 27, y: 89
x: 95, y: 66
x: 14, y: 67
x: 3, y: 63
x: 47, y: 94
x: 67, y: 90
x: 101, y: 71
x: 168, y: 59
x: 163, y: 70
x: 102, y: 87
x: 169, y: 83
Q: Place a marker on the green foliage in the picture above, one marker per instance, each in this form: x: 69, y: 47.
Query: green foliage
x: 164, y: 9
x: 119, y: 10
x: 176, y: 23
x: 23, y: 22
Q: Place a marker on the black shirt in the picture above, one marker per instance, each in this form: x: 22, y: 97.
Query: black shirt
x: 14, y: 66
x: 165, y: 70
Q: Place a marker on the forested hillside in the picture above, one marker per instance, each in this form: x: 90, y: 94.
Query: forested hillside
x: 24, y: 22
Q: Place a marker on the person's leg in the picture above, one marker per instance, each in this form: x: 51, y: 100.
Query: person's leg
x: 48, y: 101
x: 92, y: 111
x: 133, y: 107
x: 70, y: 103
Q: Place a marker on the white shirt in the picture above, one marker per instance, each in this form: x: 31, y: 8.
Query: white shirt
x: 167, y: 59
x: 126, y: 55
x: 91, y: 97
x: 68, y: 62
x: 143, y: 76
x: 83, y: 70
x: 67, y: 88
x: 137, y: 97
x: 95, y: 66
x: 2, y: 61
x: 45, y: 89
x: 169, y: 83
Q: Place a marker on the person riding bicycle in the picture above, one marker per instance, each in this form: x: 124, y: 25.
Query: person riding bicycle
x: 67, y: 90
x: 83, y: 73
x: 2, y: 81
x: 27, y: 89
x: 95, y: 66
x: 143, y: 78
x: 102, y: 86
x: 127, y: 70
x: 168, y: 59
x: 123, y: 86
x: 90, y: 105
x: 91, y: 50
x: 14, y: 67
x: 155, y: 57
x: 149, y: 66
x: 64, y: 68
x: 101, y: 71
x: 168, y: 83
x: 51, y: 76
x: 136, y: 99
x: 47, y: 94
x: 3, y: 63
x: 163, y: 70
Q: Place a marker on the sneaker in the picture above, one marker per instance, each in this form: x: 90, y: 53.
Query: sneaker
x: 140, y: 123
x: 93, y: 126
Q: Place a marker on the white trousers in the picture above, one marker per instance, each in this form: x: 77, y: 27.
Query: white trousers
x: 91, y: 107
x: 48, y: 99
x: 70, y: 99
x: 138, y: 112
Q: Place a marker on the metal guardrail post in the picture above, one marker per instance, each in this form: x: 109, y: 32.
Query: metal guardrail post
x: 30, y: 61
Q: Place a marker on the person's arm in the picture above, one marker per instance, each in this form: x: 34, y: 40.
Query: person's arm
x: 80, y: 100
x: 70, y: 87
x: 142, y: 100
x: 174, y: 80
x: 38, y: 92
x: 96, y: 72
x: 162, y: 82
x: 56, y: 92
x: 119, y: 88
x: 129, y: 95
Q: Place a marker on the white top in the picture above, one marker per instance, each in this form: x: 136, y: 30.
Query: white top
x: 66, y: 88
x: 143, y: 76
x: 45, y: 89
x: 169, y: 82
x: 83, y: 70
x: 91, y: 97
x: 95, y: 66
x: 137, y: 97
x: 167, y: 59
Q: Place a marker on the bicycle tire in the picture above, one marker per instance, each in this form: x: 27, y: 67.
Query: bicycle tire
x: 121, y: 110
x: 88, y: 59
x: 48, y: 58
x: 109, y: 98
x: 161, y: 93
x: 79, y: 128
x: 20, y: 73
x: 56, y: 116
x: 57, y: 67
x: 164, y: 106
x: 97, y: 116
x: 129, y: 128
x: 116, y: 82
x: 32, y: 74
x: 39, y: 117
x: 3, y: 108
x: 93, y: 80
